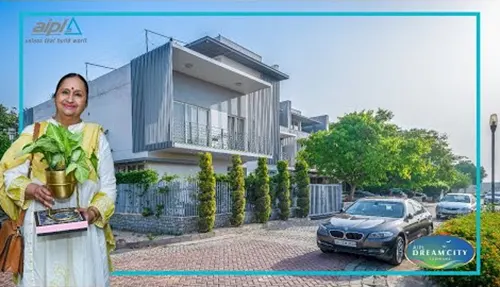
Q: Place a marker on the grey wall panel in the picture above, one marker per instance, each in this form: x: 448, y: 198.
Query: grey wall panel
x: 28, y: 117
x: 286, y: 113
x: 152, y: 98
x: 272, y: 118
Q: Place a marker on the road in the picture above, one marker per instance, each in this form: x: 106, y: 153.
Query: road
x: 278, y: 246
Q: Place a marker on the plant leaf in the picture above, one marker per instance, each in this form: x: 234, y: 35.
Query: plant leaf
x: 57, y: 134
x: 77, y: 154
x: 71, y: 167
x: 76, y: 137
x: 42, y: 145
x: 81, y: 173
x: 94, y: 161
x: 57, y: 162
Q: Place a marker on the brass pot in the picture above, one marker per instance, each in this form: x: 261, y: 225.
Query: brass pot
x: 60, y: 184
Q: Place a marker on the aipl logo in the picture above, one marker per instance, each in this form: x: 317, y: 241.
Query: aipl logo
x: 440, y: 252
x: 67, y: 27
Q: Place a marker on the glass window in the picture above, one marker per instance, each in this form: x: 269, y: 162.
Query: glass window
x: 377, y: 208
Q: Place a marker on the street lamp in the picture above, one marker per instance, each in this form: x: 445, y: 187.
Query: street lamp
x: 493, y: 128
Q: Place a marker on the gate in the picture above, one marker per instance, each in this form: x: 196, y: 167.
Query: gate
x: 326, y: 199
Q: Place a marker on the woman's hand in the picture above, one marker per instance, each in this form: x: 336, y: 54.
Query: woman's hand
x: 91, y: 213
x: 39, y: 193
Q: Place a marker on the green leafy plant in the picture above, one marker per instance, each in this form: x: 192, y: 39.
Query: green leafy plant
x: 465, y: 228
x: 283, y: 190
x: 206, y: 197
x: 61, y: 150
x: 238, y: 192
x: 302, y: 181
x: 262, y: 196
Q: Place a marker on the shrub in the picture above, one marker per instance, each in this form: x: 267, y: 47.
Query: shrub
x: 222, y: 178
x: 302, y: 181
x: 283, y: 190
x: 147, y: 176
x: 262, y: 197
x: 237, y: 177
x: 206, y: 196
x: 250, y: 181
x: 465, y: 228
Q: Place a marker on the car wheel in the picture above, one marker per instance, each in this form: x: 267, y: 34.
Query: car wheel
x: 325, y: 250
x: 399, y: 251
x: 430, y: 230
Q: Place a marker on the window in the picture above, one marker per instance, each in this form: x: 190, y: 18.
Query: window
x: 128, y: 167
x: 191, y: 124
x: 236, y: 133
x: 411, y: 209
x: 417, y: 207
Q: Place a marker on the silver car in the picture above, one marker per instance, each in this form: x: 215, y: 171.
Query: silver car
x: 455, y: 204
x: 488, y: 198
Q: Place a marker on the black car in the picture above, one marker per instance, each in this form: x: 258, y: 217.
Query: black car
x: 378, y: 227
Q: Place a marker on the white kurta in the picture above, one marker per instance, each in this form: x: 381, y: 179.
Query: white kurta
x: 76, y: 259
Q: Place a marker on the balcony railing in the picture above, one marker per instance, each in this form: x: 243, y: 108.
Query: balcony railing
x: 289, y: 157
x: 214, y: 137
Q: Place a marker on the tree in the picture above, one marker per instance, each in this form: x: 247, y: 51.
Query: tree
x: 4, y: 143
x: 206, y: 197
x: 8, y: 118
x: 237, y: 177
x: 440, y: 156
x: 302, y: 181
x: 358, y: 149
x: 283, y: 190
x: 461, y: 180
x: 469, y: 168
x: 262, y: 197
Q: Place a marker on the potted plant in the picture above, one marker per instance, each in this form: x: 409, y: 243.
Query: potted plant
x: 67, y: 163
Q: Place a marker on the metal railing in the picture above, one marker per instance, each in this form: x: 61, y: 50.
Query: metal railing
x: 179, y: 199
x: 214, y: 137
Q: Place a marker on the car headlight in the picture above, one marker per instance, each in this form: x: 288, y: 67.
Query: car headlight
x: 322, y: 228
x: 380, y: 235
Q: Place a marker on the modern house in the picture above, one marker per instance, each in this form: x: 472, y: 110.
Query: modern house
x: 294, y: 126
x: 167, y: 105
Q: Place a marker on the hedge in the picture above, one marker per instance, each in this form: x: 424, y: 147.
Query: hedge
x: 262, y: 192
x: 465, y: 227
x: 206, y: 197
x: 302, y: 181
x: 283, y: 190
x: 237, y: 177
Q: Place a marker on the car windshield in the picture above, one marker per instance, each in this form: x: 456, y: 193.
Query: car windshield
x: 376, y: 208
x: 456, y: 198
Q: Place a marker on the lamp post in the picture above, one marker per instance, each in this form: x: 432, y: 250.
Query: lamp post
x: 493, y: 127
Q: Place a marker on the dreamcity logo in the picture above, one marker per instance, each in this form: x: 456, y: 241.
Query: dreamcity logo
x: 440, y: 252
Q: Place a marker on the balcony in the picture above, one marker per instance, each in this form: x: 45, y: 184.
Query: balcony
x: 195, y: 137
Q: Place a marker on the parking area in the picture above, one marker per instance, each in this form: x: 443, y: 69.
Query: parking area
x: 279, y: 246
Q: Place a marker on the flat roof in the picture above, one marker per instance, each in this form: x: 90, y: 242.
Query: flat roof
x: 212, y: 48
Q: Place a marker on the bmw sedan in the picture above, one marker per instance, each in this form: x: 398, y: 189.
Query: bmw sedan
x: 377, y: 227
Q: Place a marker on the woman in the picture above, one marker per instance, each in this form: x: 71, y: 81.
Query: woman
x: 78, y: 259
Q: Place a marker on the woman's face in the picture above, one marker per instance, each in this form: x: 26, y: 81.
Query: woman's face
x: 71, y: 97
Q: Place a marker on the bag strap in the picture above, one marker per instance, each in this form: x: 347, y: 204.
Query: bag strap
x: 36, y: 131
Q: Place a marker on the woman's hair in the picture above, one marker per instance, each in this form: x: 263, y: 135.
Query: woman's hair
x: 73, y: 75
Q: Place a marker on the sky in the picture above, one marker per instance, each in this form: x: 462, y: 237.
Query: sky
x: 421, y: 68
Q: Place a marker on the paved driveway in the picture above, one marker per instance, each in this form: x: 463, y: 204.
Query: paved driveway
x: 279, y: 246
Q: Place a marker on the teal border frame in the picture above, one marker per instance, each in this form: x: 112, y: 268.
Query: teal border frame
x: 476, y: 15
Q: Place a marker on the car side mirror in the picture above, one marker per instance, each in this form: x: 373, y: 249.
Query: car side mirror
x: 409, y: 216
x: 342, y: 210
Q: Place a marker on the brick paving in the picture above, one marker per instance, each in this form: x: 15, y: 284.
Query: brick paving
x: 278, y: 246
